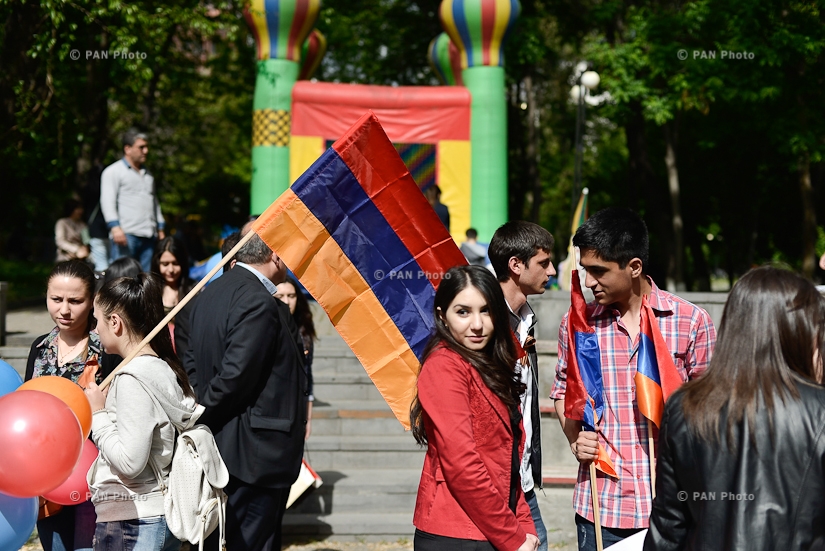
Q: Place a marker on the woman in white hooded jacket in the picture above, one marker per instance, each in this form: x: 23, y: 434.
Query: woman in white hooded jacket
x: 133, y: 421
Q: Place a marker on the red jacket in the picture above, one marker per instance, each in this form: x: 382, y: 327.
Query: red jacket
x: 465, y: 484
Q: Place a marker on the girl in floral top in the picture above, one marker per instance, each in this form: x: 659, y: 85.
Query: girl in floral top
x: 66, y: 352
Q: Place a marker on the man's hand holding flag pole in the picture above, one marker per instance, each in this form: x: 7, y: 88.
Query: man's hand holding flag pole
x: 584, y: 396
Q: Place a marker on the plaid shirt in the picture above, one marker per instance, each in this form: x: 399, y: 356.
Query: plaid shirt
x: 690, y: 335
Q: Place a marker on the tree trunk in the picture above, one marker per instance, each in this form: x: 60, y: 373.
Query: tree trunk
x: 646, y: 194
x: 675, y: 278
x: 809, y: 233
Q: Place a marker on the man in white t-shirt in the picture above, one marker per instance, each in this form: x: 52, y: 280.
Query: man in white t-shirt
x: 520, y: 254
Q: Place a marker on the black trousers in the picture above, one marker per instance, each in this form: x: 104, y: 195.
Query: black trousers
x: 431, y: 542
x: 253, y: 518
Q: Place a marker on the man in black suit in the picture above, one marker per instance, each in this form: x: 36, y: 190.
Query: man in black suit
x: 245, y: 363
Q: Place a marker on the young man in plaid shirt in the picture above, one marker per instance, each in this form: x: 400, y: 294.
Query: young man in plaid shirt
x: 614, y: 253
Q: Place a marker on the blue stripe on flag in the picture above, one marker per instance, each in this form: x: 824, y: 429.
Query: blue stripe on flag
x: 333, y: 194
x: 589, y: 360
x: 646, y: 362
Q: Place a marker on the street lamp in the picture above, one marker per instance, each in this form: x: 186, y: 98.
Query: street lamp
x: 586, y: 81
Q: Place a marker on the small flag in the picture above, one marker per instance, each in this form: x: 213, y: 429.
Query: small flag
x: 360, y: 236
x: 584, y: 397
x: 656, y: 374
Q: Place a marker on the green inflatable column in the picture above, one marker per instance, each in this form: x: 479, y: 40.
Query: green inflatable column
x: 479, y: 28
x: 280, y: 28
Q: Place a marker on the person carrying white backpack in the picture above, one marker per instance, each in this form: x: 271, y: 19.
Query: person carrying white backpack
x: 135, y: 420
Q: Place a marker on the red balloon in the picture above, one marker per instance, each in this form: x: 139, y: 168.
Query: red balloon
x: 40, y: 443
x: 76, y: 490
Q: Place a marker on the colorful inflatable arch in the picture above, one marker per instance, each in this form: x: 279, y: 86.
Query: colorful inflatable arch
x: 453, y: 136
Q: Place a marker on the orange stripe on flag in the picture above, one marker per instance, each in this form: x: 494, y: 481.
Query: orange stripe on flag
x: 305, y: 246
x: 649, y: 398
x: 604, y: 464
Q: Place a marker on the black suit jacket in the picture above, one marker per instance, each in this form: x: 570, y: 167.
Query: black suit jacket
x: 245, y: 353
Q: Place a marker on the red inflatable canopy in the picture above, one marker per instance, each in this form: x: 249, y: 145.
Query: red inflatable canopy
x: 409, y: 114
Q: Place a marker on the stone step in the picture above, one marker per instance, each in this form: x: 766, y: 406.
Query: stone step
x: 375, y: 526
x: 374, y: 456
x: 330, y: 385
x: 361, y: 490
x: 355, y: 418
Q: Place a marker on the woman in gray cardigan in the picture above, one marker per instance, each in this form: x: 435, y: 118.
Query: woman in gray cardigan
x: 133, y: 420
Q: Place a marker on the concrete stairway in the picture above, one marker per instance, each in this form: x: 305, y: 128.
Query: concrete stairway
x: 370, y: 466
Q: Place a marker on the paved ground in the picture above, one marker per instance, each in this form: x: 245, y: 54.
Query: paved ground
x: 556, y: 503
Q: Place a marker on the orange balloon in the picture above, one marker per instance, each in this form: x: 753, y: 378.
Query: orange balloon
x: 70, y: 393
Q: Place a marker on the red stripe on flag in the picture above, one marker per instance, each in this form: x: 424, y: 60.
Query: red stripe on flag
x: 376, y: 165
x: 575, y: 395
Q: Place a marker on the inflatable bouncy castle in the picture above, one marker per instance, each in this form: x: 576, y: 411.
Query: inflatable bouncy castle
x: 453, y: 136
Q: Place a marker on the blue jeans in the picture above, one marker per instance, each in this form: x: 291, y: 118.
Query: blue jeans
x: 541, y: 531
x: 99, y: 253
x: 140, y: 534
x: 72, y: 529
x: 586, y: 531
x: 139, y: 248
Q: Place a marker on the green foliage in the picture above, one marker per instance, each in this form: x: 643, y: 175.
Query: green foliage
x: 78, y: 74
x: 745, y: 129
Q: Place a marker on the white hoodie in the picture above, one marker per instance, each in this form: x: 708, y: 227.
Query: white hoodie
x: 135, y: 426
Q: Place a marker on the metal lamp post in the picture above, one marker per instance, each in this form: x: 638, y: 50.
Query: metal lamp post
x: 586, y: 81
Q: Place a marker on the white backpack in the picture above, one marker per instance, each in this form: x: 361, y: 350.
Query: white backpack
x: 194, y: 500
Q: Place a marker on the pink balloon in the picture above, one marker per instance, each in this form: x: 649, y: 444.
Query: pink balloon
x: 76, y: 490
x: 40, y: 443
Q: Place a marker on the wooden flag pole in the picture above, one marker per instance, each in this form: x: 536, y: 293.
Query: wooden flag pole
x: 171, y: 315
x: 596, y: 515
x: 651, y: 457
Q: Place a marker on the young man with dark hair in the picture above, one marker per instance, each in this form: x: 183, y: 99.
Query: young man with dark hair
x: 520, y: 254
x: 614, y: 253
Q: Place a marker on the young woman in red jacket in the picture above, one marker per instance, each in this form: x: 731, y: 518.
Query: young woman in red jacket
x: 467, y: 413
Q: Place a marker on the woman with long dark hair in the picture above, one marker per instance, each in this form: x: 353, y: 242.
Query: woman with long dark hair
x: 171, y: 263
x: 467, y: 413
x: 742, y: 449
x: 133, y: 422
x: 290, y: 294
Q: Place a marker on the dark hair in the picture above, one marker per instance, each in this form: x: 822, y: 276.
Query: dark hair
x: 69, y: 206
x: 125, y: 266
x: 130, y: 136
x: 616, y: 235
x: 302, y: 314
x: 83, y: 272
x: 771, y: 328
x: 178, y: 249
x: 520, y: 239
x: 138, y: 301
x: 254, y: 251
x: 496, y: 363
x: 471, y: 233
x: 229, y: 244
